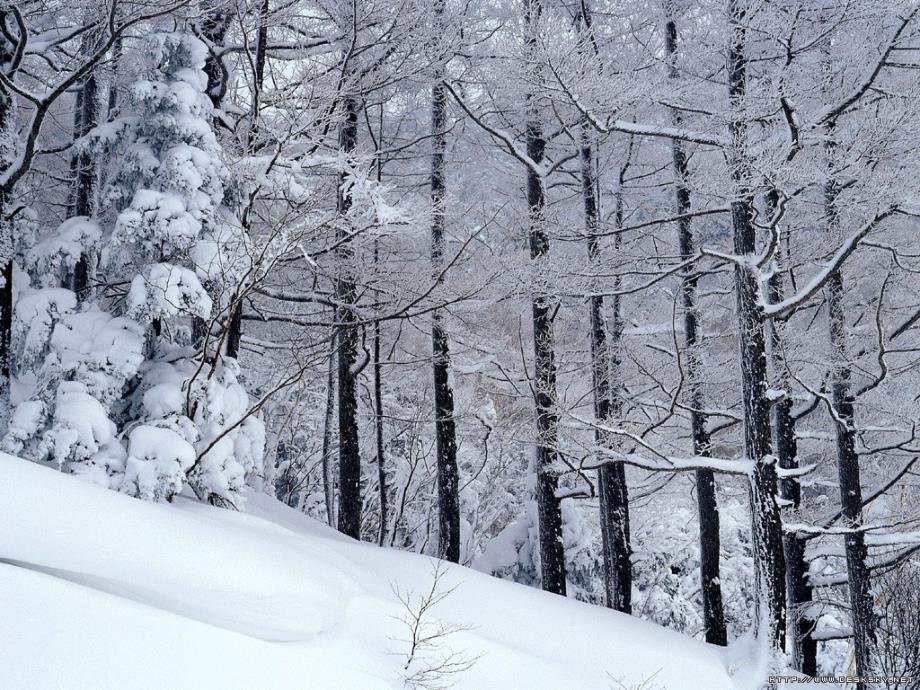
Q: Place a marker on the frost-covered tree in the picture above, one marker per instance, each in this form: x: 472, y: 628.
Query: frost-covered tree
x: 156, y: 413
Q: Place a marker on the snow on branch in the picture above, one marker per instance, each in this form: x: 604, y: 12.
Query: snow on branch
x: 817, y: 282
x: 610, y: 125
x: 671, y: 464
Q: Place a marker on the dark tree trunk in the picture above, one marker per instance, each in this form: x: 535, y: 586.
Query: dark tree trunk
x: 235, y: 320
x: 378, y: 433
x: 6, y: 331
x: 862, y: 616
x: 112, y: 99
x: 259, y: 74
x: 6, y: 235
x: 234, y: 329
x: 349, y: 517
x: 799, y: 596
x: 86, y: 116
x: 445, y: 429
x: 707, y: 505
x: 214, y: 28
x: 552, y: 553
x: 612, y: 490
x: 766, y: 524
x: 214, y: 24
x: 611, y: 478
x: 328, y: 477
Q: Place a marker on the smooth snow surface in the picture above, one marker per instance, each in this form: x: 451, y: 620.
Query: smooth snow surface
x: 102, y: 591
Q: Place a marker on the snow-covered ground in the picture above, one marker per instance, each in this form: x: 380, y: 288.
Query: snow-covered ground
x: 99, y: 590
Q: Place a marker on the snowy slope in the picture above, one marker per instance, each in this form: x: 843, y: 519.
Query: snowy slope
x: 99, y: 590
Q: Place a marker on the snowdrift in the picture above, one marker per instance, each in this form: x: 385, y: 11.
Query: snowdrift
x: 99, y: 590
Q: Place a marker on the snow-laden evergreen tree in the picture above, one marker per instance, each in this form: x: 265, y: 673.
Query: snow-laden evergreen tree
x: 124, y: 394
x: 174, y: 235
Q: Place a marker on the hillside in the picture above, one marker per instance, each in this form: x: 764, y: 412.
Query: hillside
x: 100, y: 590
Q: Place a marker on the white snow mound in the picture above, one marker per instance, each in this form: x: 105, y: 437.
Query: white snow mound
x: 99, y: 590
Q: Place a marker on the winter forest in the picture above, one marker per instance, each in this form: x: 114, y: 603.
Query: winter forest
x: 616, y: 299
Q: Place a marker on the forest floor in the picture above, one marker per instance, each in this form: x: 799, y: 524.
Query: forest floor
x: 99, y: 590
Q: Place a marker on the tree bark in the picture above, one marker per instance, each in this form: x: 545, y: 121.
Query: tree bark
x: 378, y: 433
x: 86, y: 116
x: 235, y: 320
x: 611, y: 478
x: 612, y: 488
x: 214, y: 24
x: 552, y: 553
x: 707, y: 505
x: 445, y: 428
x: 6, y: 331
x: 7, y: 153
x: 862, y: 616
x: 766, y: 525
x: 328, y: 477
x: 349, y: 517
x: 799, y: 596
x: 258, y: 77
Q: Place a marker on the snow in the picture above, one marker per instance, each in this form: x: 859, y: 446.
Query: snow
x: 36, y: 314
x: 112, y: 592
x: 74, y: 237
x: 167, y: 290
x: 157, y: 462
x: 82, y: 425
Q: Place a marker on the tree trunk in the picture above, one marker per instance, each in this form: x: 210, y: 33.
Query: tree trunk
x: 615, y: 504
x: 214, y: 24
x: 707, y: 505
x: 552, y: 553
x: 7, y: 153
x: 611, y: 478
x: 258, y: 79
x: 86, y: 116
x: 862, y: 617
x: 445, y: 428
x: 378, y: 432
x: 328, y: 477
x: 235, y: 320
x: 612, y: 488
x: 349, y: 518
x: 766, y: 525
x: 799, y: 596
x: 6, y: 330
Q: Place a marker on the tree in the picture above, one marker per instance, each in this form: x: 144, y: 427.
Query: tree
x: 445, y: 427
x: 612, y: 489
x: 767, y: 527
x: 708, y: 508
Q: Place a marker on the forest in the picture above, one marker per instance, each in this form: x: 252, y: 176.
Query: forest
x: 616, y: 299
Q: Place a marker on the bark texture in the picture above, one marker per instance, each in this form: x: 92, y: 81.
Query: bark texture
x: 552, y: 553
x: 766, y: 524
x: 707, y: 505
x: 349, y: 513
x: 445, y: 426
